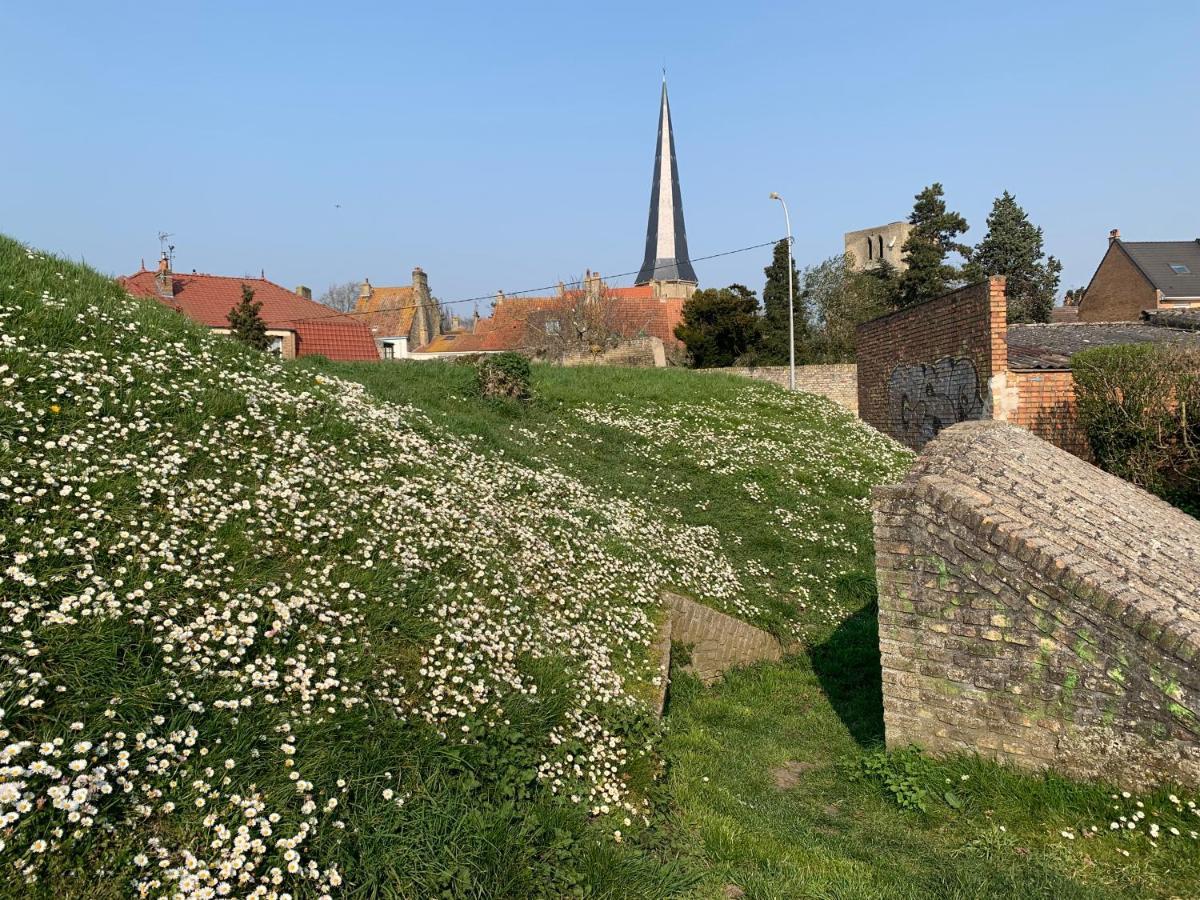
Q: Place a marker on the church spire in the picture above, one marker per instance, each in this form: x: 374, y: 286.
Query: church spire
x: 666, y: 239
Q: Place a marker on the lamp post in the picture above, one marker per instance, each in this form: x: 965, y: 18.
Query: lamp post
x: 791, y: 314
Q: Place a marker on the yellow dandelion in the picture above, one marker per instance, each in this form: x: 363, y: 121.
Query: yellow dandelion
x: 55, y: 408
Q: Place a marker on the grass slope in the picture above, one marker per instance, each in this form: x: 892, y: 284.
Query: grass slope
x: 776, y: 776
x: 313, y: 630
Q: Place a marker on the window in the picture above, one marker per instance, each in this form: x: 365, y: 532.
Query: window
x: 389, y: 350
x: 553, y: 326
x: 1180, y: 269
x: 870, y: 248
x: 881, y: 246
x: 275, y: 348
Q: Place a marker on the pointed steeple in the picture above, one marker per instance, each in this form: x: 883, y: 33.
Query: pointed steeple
x: 666, y: 239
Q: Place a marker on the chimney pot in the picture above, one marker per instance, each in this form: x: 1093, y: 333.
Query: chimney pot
x: 1114, y: 235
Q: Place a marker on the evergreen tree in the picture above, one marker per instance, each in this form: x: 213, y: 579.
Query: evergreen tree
x: 719, y: 325
x: 931, y: 239
x: 246, y: 322
x: 774, y: 347
x: 1013, y: 248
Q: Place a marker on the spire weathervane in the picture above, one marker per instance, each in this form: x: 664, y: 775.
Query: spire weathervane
x: 666, y: 238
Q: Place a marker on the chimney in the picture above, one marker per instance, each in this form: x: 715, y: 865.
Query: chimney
x: 304, y: 291
x: 364, y: 289
x: 1114, y: 235
x: 420, y: 283
x: 164, y: 282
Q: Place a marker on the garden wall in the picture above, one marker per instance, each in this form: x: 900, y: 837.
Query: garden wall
x: 838, y: 381
x: 1038, y: 610
x: 926, y: 367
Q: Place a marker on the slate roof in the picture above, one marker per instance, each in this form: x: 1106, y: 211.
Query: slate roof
x: 1155, y: 258
x: 1187, y: 319
x: 207, y: 299
x: 1050, y: 346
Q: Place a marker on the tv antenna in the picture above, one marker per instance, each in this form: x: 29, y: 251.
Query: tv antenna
x: 168, y: 250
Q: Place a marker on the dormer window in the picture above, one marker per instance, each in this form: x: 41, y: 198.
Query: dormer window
x: 1180, y: 269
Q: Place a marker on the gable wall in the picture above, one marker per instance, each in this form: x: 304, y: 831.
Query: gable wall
x: 1118, y: 291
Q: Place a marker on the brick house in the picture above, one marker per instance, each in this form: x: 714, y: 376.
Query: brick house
x: 296, y: 325
x: 1136, y: 276
x: 955, y: 358
x: 401, y: 318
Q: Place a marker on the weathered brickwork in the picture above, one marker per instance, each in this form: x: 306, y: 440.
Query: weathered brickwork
x: 929, y: 366
x: 1038, y: 610
x: 719, y: 642
x: 838, y: 382
x: 1046, y: 406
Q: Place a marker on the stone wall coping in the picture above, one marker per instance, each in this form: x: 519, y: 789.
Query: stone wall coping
x: 1133, y: 556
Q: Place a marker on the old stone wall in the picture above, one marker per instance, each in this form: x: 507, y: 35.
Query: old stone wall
x: 1038, y: 610
x: 924, y: 368
x: 838, y: 382
x: 642, y: 353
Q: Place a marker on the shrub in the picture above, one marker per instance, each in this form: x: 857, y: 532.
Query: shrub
x: 1139, y: 406
x: 504, y: 376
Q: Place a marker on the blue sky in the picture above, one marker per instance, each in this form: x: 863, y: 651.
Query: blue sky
x: 511, y: 145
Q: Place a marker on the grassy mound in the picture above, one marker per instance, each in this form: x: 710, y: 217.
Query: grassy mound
x: 318, y: 629
x: 263, y: 633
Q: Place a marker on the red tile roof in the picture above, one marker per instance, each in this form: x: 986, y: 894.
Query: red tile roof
x: 208, y: 299
x: 635, y: 313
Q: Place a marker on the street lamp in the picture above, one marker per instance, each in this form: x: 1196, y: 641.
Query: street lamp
x: 791, y: 315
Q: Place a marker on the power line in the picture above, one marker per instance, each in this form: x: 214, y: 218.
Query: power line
x: 551, y: 287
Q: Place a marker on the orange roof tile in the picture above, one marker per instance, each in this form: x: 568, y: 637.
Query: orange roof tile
x: 208, y: 299
x: 389, y: 311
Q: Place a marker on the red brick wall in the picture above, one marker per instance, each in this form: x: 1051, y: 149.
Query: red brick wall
x: 1118, y: 292
x: 1046, y: 406
x: 922, y: 369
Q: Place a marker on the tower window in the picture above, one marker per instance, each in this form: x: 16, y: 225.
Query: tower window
x: 870, y: 248
x: 880, y: 246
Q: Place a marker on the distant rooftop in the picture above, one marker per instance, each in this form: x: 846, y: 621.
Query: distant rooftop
x: 1051, y: 346
x: 1173, y: 267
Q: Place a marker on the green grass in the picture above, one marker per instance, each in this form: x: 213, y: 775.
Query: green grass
x: 231, y: 484
x: 840, y: 831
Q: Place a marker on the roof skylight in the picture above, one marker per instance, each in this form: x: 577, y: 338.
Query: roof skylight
x: 1180, y: 269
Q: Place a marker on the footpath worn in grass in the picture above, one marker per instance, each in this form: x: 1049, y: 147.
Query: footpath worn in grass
x: 319, y: 630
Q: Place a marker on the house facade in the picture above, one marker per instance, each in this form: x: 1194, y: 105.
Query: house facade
x: 401, y: 318
x: 296, y: 325
x: 1140, y: 276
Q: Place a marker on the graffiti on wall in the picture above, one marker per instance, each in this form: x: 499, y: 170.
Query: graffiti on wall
x: 925, y: 398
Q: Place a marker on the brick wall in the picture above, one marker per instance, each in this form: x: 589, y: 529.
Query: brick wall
x: 1038, y: 610
x: 1118, y: 291
x: 719, y: 642
x: 1046, y: 406
x: 929, y: 366
x: 838, y: 382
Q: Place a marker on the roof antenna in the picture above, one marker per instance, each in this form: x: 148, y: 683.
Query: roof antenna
x: 167, y: 250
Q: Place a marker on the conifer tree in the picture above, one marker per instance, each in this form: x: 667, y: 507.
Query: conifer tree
x: 246, y: 322
x: 1013, y: 248
x: 719, y: 325
x: 931, y: 239
x: 774, y: 348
